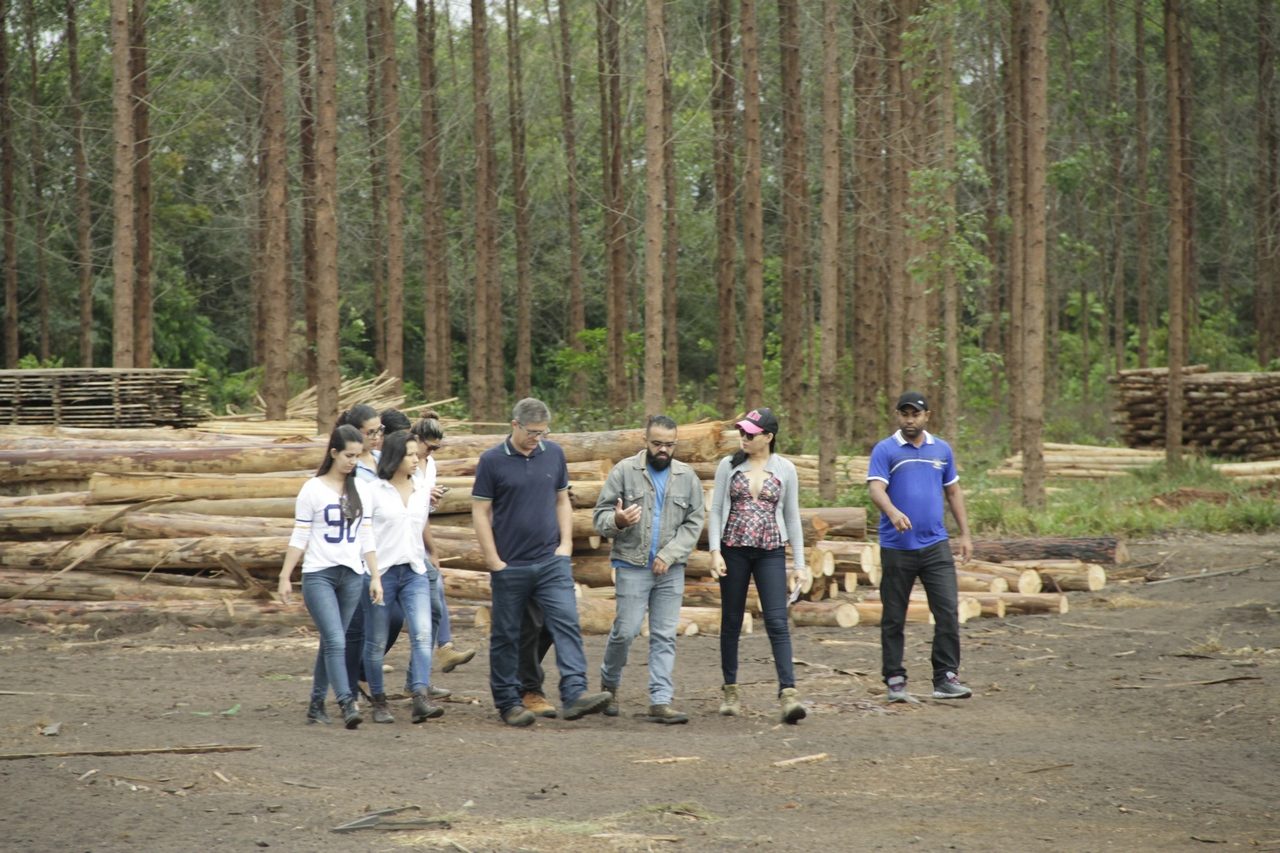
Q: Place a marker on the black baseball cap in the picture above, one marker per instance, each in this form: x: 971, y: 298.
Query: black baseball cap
x: 760, y: 420
x: 914, y: 399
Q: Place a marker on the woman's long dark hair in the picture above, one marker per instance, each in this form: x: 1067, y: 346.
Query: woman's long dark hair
x: 394, y: 448
x: 342, y: 435
x: 393, y: 420
x: 356, y: 416
x: 739, y: 456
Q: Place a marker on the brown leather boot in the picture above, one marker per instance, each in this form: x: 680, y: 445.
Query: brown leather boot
x: 538, y: 705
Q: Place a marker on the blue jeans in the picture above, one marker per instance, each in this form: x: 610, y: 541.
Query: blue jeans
x: 936, y: 569
x: 441, y: 632
x: 769, y: 568
x: 638, y: 590
x: 402, y: 584
x: 355, y: 636
x: 550, y: 584
x: 331, y: 596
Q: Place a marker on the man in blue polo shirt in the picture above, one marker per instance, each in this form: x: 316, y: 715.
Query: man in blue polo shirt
x: 524, y: 525
x: 909, y: 474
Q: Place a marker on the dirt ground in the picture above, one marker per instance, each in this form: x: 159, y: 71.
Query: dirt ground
x: 1145, y: 719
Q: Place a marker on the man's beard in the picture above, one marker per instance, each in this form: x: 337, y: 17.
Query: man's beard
x: 657, y: 463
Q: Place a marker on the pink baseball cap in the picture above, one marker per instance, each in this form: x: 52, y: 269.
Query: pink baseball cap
x: 760, y: 420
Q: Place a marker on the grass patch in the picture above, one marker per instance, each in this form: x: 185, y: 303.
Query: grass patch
x: 1149, y: 502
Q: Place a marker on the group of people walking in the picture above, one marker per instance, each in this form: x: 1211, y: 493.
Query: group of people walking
x: 651, y: 508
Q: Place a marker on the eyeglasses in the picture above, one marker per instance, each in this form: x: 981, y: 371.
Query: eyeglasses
x: 432, y: 448
x: 534, y: 433
x: 372, y: 433
x: 663, y: 445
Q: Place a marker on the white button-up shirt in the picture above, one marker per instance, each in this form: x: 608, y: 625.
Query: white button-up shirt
x: 398, y: 526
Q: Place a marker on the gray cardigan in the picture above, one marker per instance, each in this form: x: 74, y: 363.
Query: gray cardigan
x: 788, y: 513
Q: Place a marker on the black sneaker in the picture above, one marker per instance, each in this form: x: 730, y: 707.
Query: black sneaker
x: 950, y: 688
x: 587, y: 703
x: 898, y: 689
x: 519, y: 716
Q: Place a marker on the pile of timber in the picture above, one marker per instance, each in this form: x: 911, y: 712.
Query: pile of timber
x: 197, y: 522
x: 1224, y: 414
x: 379, y: 392
x: 1083, y: 461
x: 102, y: 397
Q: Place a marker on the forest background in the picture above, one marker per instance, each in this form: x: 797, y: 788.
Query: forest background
x: 626, y: 205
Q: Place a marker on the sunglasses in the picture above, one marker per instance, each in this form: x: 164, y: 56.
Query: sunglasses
x: 747, y: 436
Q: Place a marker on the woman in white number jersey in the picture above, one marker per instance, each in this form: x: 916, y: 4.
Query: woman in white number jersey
x: 330, y: 538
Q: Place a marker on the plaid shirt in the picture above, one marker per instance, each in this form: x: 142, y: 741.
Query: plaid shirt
x: 753, y: 522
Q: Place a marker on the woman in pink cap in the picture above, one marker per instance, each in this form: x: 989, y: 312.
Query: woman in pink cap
x: 755, y: 514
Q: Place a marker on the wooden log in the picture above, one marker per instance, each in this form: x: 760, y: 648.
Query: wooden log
x: 849, y: 522
x: 110, y: 586
x: 1065, y: 575
x: 24, y: 522
x: 992, y: 607
x: 595, y: 615
x: 1014, y: 602
x: 128, y: 488
x: 469, y: 616
x: 706, y: 593
x: 70, y: 463
x: 582, y: 526
x: 967, y: 607
x: 1023, y: 580
x: 834, y: 614
x: 817, y: 588
x: 222, y: 614
x: 707, y: 620
x: 173, y: 525
x: 870, y: 612
x: 46, y: 498
x: 467, y: 585
x: 698, y: 443
x: 1091, y: 549
x: 114, y: 552
x: 968, y: 581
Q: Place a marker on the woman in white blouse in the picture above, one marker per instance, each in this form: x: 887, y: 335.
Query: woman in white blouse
x: 399, y: 515
x: 330, y: 539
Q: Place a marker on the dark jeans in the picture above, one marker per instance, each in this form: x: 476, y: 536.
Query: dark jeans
x: 355, y: 636
x: 535, y: 641
x: 550, y: 584
x: 769, y: 568
x: 936, y: 569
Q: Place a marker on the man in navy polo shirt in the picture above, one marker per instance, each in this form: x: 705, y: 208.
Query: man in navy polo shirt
x: 524, y: 525
x: 909, y: 474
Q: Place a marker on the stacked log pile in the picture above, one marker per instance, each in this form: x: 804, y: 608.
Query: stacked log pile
x: 1083, y: 461
x: 1224, y: 414
x: 102, y: 397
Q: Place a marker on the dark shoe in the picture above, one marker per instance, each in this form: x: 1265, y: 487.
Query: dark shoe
x: 381, y: 713
x: 351, y: 714
x: 730, y: 705
x: 519, y: 716
x: 792, y: 711
x: 898, y: 689
x: 610, y: 710
x: 666, y: 714
x: 448, y: 658
x: 537, y: 704
x: 316, y: 713
x: 587, y: 703
x: 439, y: 693
x: 950, y: 688
x: 423, y: 709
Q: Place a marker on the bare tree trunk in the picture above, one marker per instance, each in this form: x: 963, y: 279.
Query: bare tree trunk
x: 389, y: 83
x: 84, y: 210
x: 142, y: 287
x: 326, y: 200
x: 8, y: 205
x: 752, y: 210
x: 376, y: 128
x: 655, y: 64
x: 1015, y: 148
x: 723, y: 108
x: 896, y: 180
x: 482, y: 395
x: 830, y: 258
x: 671, y: 247
x: 122, y: 331
x: 1267, y: 234
x: 950, y: 287
x: 520, y: 178
x: 38, y: 211
x: 275, y: 222
x: 307, y: 157
x: 1115, y: 142
x: 1036, y: 84
x: 1140, y: 166
x: 568, y: 130
x: 795, y: 216
x: 436, y: 328
x: 609, y: 72
x: 870, y: 287
x: 1177, y: 233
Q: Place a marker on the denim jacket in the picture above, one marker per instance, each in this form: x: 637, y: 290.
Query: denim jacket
x: 682, y: 512
x: 788, y: 512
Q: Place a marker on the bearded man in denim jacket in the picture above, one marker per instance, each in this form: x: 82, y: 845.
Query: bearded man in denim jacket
x: 651, y: 507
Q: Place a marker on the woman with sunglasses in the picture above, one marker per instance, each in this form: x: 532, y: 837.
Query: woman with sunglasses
x: 430, y: 434
x: 336, y: 550
x: 755, y: 514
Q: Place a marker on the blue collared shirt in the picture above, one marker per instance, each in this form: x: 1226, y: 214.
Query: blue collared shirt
x: 915, y: 478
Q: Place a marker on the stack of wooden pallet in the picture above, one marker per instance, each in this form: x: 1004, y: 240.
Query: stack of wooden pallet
x: 1224, y: 414
x: 102, y: 397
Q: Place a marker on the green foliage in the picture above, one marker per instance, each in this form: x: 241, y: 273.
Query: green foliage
x: 31, y: 361
x: 230, y: 392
